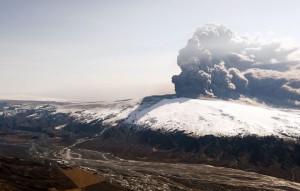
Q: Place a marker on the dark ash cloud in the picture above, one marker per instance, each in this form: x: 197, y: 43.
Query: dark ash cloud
x: 217, y: 62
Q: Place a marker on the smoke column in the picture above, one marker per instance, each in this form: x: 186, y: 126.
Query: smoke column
x: 216, y: 62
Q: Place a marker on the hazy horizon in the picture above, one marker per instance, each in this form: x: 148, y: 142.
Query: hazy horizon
x: 109, y: 50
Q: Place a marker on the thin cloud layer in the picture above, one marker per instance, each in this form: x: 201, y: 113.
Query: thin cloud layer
x: 217, y: 62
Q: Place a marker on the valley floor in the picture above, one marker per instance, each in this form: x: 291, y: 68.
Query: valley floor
x: 108, y: 172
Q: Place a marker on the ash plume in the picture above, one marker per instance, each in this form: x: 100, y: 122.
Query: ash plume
x: 217, y: 62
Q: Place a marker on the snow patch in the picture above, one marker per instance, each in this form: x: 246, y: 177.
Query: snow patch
x: 60, y: 127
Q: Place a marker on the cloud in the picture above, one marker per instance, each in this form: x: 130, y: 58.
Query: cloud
x: 217, y: 62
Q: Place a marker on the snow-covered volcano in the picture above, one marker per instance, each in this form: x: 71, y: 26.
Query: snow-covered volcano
x: 219, y: 118
x: 196, y: 117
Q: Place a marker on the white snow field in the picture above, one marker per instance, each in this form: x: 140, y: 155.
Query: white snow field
x: 197, y: 117
x: 220, y: 118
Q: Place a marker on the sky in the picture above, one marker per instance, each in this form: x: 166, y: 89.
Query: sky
x: 95, y: 50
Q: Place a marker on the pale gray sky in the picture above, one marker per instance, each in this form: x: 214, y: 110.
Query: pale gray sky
x: 117, y: 49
